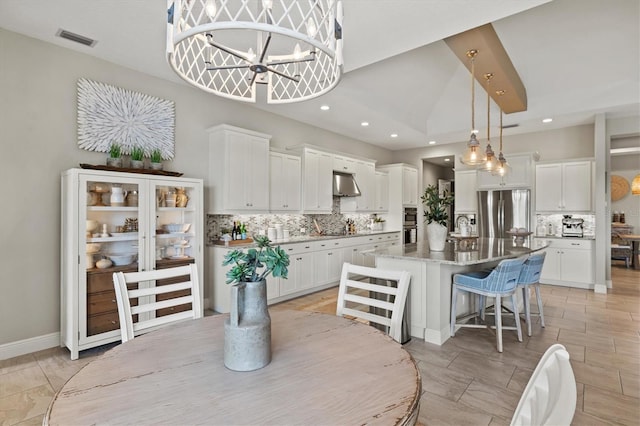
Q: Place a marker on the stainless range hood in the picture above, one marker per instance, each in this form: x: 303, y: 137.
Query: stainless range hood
x: 344, y: 185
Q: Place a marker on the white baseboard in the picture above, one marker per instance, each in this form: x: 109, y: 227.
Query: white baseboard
x: 26, y: 346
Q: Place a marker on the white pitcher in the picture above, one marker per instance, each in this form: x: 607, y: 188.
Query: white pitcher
x: 117, y: 196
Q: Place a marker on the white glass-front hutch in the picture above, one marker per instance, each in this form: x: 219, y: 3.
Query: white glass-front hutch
x: 115, y: 221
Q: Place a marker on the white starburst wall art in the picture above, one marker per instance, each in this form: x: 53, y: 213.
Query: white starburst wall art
x: 109, y: 114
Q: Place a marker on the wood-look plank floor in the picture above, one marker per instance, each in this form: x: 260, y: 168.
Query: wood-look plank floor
x: 465, y: 381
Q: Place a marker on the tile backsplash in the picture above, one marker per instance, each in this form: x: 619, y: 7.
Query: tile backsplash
x: 589, y: 226
x: 330, y: 223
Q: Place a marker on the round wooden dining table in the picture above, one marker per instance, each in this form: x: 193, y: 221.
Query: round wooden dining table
x: 325, y: 370
x: 635, y: 251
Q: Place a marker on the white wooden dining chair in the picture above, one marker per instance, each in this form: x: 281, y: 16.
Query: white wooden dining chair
x: 357, y: 292
x: 155, y: 303
x: 550, y: 395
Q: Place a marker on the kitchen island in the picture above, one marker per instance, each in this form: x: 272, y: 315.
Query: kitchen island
x: 431, y: 276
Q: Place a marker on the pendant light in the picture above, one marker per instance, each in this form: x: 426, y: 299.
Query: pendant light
x: 472, y: 155
x: 502, y: 167
x: 489, y: 164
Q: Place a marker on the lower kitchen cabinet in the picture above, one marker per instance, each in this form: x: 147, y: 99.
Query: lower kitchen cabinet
x: 569, y: 262
x: 313, y: 265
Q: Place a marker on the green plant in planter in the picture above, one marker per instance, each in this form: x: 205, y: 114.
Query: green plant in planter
x: 435, y: 205
x: 137, y: 153
x: 256, y: 264
x: 156, y: 156
x: 115, y: 150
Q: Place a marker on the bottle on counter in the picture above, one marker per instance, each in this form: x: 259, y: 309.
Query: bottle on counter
x: 234, y: 231
x: 243, y: 231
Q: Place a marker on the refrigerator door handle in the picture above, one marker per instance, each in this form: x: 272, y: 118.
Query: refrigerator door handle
x: 501, y: 217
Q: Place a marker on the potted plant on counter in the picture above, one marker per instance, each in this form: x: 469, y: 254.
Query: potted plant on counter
x: 435, y: 214
x: 247, y: 331
x: 115, y: 155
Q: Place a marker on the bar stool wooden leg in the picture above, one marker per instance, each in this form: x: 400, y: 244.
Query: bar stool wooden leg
x: 516, y: 314
x: 454, y: 298
x: 498, y: 316
x: 527, y: 308
x: 539, y: 299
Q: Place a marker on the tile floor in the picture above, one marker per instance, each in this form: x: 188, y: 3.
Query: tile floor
x: 465, y: 381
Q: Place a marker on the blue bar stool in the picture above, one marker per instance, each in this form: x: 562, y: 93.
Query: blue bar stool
x: 497, y: 283
x: 530, y: 277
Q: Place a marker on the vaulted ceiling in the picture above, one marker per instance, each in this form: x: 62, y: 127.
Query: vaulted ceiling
x: 576, y: 58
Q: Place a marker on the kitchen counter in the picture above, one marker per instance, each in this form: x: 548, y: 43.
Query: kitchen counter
x: 560, y: 237
x: 487, y: 250
x: 302, y: 239
x: 431, y: 277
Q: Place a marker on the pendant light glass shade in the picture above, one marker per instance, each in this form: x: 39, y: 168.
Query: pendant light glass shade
x: 490, y: 162
x: 502, y: 167
x: 472, y: 156
x: 635, y: 185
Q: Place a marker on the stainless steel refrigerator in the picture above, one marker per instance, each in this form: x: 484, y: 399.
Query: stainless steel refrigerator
x: 499, y: 211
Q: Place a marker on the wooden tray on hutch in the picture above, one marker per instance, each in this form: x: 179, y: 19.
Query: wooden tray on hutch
x: 129, y: 170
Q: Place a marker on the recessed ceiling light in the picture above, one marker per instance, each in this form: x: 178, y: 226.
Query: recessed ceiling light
x: 547, y: 120
x: 394, y: 135
x: 364, y: 123
x: 432, y: 142
x: 447, y: 159
x: 325, y: 107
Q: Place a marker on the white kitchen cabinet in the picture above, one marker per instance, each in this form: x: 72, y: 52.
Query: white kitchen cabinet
x: 238, y: 170
x: 343, y: 164
x: 317, y: 182
x: 381, y: 204
x: 520, y: 176
x: 284, y: 183
x: 409, y: 186
x: 465, y: 193
x: 313, y: 265
x: 403, y: 192
x: 564, y: 187
x: 134, y: 229
x: 569, y: 262
x: 365, y: 176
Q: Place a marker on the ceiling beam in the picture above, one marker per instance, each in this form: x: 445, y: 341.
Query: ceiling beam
x: 491, y: 58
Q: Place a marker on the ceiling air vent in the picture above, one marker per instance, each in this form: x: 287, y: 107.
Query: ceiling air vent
x: 76, y: 37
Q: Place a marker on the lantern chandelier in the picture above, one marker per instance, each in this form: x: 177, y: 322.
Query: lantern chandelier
x: 229, y: 47
x: 502, y: 168
x: 489, y: 158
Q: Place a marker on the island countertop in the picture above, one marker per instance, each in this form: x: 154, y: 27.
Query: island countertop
x: 486, y: 250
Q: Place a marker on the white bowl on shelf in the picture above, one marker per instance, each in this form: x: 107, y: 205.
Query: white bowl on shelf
x: 93, y: 248
x: 122, y: 259
x: 177, y: 227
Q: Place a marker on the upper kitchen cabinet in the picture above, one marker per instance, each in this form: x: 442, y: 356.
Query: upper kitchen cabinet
x: 382, y: 192
x: 365, y: 176
x: 285, y: 182
x: 317, y: 181
x: 403, y: 184
x: 564, y: 187
x: 520, y: 176
x: 238, y: 170
x: 344, y: 164
x: 465, y: 195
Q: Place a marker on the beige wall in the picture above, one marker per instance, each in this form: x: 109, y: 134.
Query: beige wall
x: 38, y: 136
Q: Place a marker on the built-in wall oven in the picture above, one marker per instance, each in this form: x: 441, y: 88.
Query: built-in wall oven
x: 410, y: 225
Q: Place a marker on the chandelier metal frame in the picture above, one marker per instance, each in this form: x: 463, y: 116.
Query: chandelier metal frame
x: 298, y: 47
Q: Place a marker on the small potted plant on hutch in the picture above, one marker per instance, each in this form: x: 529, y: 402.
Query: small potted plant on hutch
x: 435, y: 214
x: 115, y: 155
x: 137, y: 157
x: 156, y: 159
x: 247, y: 331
